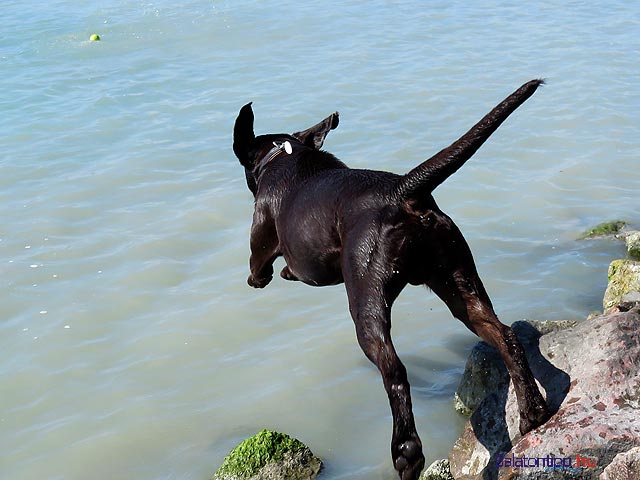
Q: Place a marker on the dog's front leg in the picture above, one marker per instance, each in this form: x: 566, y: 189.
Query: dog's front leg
x: 264, y: 248
x: 370, y: 307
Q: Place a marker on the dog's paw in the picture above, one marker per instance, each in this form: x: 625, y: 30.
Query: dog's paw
x: 259, y: 282
x: 288, y: 274
x: 408, y: 459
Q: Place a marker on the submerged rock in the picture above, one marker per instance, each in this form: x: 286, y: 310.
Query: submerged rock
x: 590, y: 377
x: 624, y: 283
x: 605, y: 229
x: 269, y: 455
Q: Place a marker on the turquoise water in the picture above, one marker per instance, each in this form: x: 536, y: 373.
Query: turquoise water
x: 132, y: 346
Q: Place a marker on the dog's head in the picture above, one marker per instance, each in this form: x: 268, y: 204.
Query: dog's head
x: 250, y: 149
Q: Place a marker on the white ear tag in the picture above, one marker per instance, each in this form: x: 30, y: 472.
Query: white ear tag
x: 288, y: 148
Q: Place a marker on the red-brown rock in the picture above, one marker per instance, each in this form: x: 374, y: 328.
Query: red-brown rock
x: 590, y: 374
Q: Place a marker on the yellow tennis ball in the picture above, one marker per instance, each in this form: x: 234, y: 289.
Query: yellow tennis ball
x: 94, y: 37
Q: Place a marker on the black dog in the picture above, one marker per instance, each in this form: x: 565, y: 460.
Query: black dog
x: 376, y: 232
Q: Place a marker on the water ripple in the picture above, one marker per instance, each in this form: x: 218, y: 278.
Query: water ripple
x: 129, y: 335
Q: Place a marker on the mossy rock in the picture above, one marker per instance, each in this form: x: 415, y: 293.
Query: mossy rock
x: 624, y: 279
x: 605, y: 229
x: 269, y: 455
x: 633, y: 244
x: 438, y: 470
x: 484, y: 373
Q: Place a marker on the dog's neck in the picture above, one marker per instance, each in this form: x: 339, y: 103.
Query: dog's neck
x: 278, y: 148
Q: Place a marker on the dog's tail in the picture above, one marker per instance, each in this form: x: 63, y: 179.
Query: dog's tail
x: 424, y: 178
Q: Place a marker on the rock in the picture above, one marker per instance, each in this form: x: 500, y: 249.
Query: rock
x: 625, y: 466
x: 298, y: 465
x: 633, y: 244
x: 594, y: 314
x: 269, y: 455
x: 590, y: 376
x: 624, y: 280
x: 542, y: 327
x: 438, y: 470
x: 605, y: 229
x: 485, y: 371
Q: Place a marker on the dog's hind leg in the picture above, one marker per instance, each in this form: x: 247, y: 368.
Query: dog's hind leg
x: 468, y: 301
x: 370, y: 305
x: 287, y: 274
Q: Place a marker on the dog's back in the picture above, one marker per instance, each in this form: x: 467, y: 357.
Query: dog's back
x: 318, y: 205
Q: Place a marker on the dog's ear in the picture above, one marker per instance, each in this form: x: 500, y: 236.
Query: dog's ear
x: 314, y: 136
x: 243, y: 134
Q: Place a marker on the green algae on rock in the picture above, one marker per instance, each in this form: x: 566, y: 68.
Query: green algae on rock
x: 269, y: 455
x: 438, y: 470
x: 633, y: 244
x: 624, y: 279
x: 604, y: 229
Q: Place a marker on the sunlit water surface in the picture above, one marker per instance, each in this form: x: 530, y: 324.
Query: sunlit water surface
x: 131, y: 346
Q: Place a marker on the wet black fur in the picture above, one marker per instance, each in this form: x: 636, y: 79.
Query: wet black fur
x: 376, y: 232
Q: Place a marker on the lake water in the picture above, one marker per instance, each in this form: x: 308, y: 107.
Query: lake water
x: 131, y: 346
